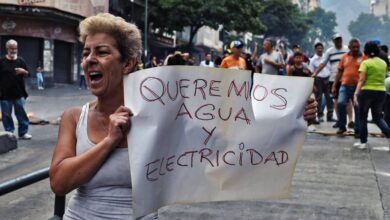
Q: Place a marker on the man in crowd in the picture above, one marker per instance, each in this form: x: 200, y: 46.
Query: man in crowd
x: 349, y: 75
x: 207, y: 62
x: 321, y: 81
x: 386, y: 106
x: 270, y: 61
x: 296, y: 48
x: 235, y: 61
x: 13, y: 69
x: 332, y: 56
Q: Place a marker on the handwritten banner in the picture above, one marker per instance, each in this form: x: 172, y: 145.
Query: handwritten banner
x: 203, y: 134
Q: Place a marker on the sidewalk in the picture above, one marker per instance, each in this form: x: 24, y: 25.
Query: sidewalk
x: 332, y: 180
x: 49, y: 104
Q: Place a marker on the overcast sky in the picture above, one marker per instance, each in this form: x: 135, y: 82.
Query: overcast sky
x: 346, y: 11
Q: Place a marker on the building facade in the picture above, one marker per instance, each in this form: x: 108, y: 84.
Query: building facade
x: 47, y: 34
x: 206, y: 40
x: 380, y: 7
x: 307, y: 5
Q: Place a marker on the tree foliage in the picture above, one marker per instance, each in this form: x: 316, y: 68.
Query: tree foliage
x: 174, y: 15
x: 321, y: 28
x: 367, y: 26
x: 284, y: 19
x: 322, y: 24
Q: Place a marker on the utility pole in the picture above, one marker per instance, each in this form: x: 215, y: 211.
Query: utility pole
x: 146, y: 30
x: 132, y: 11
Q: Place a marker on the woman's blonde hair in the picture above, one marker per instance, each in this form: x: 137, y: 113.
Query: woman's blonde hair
x: 127, y: 35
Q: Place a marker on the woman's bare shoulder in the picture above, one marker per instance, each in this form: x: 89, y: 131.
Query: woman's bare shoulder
x: 71, y: 115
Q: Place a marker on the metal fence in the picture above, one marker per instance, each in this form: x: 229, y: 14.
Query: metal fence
x: 28, y: 179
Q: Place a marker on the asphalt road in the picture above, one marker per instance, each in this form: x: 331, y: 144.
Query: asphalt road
x: 331, y: 181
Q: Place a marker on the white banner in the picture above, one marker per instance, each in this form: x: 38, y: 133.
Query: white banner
x: 201, y: 134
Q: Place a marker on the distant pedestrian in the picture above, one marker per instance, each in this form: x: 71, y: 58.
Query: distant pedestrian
x: 217, y: 61
x: 207, y: 62
x: 176, y: 60
x: 349, y: 76
x: 382, y: 53
x: 83, y: 84
x: 298, y: 67
x: 321, y: 82
x: 13, y: 69
x: 235, y: 61
x: 297, y: 48
x: 332, y: 56
x: 386, y: 107
x: 370, y: 93
x: 271, y: 61
x: 40, y: 78
x: 152, y: 62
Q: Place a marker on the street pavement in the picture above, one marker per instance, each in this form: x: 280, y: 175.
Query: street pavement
x: 332, y: 180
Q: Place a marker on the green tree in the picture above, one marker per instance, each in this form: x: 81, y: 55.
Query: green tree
x: 174, y: 15
x: 321, y: 28
x: 366, y: 27
x: 322, y: 25
x: 284, y: 19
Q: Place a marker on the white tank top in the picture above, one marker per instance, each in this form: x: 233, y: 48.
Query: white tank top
x: 108, y: 194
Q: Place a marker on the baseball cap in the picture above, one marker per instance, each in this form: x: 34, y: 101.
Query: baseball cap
x: 236, y: 44
x: 296, y: 46
x: 377, y: 41
x: 336, y: 35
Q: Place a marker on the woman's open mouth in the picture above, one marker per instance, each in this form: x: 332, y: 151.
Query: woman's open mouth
x: 95, y: 77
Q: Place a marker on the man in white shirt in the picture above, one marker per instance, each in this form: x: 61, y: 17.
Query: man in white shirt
x: 332, y: 56
x: 321, y: 81
x: 207, y: 62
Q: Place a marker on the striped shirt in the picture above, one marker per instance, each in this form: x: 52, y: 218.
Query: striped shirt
x: 333, y: 56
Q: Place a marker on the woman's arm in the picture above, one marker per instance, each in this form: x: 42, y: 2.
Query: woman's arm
x: 289, y: 70
x: 68, y: 171
x: 362, y: 80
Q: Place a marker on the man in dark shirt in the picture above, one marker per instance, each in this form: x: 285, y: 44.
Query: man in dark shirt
x: 12, y: 90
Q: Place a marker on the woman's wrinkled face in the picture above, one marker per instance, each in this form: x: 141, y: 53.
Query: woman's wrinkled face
x: 102, y: 64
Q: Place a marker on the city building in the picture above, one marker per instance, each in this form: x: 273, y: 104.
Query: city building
x: 380, y: 7
x: 47, y: 34
x: 307, y: 5
x: 205, y: 40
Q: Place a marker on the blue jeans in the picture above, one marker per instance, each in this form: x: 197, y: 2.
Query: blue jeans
x: 39, y: 80
x: 20, y: 113
x: 346, y: 94
x: 370, y: 99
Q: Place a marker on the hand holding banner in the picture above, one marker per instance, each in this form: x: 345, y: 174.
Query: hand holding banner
x: 203, y: 134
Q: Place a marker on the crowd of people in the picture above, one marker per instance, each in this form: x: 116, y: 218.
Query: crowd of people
x: 337, y: 72
x: 91, y: 154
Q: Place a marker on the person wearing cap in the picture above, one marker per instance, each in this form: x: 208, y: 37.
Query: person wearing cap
x: 332, y: 56
x: 382, y: 54
x: 235, y: 61
x: 296, y: 48
x: 270, y: 61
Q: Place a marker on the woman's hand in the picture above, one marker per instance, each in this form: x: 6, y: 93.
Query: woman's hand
x: 119, y: 125
x: 356, y: 99
x: 310, y: 109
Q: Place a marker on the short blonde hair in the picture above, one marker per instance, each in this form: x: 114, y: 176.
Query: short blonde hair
x: 127, y: 35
